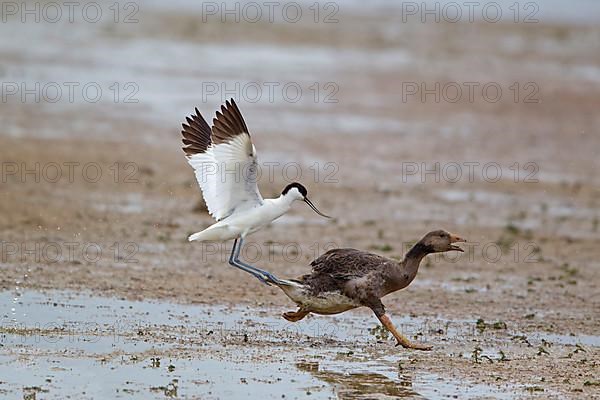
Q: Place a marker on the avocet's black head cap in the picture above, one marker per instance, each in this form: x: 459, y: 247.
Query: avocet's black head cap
x: 296, y: 185
x: 303, y: 192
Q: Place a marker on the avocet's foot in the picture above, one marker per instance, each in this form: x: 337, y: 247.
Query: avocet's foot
x: 295, y: 316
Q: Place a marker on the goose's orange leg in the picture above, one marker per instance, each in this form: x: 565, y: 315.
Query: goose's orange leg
x: 402, y: 340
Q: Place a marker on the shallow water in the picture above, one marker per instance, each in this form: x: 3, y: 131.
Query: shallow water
x: 62, y: 344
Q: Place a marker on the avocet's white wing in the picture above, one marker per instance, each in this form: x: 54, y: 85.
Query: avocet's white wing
x: 224, y: 161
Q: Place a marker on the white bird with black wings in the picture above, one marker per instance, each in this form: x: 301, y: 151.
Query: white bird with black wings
x: 226, y: 167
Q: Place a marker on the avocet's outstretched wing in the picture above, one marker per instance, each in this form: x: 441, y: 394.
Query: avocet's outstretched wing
x: 224, y: 160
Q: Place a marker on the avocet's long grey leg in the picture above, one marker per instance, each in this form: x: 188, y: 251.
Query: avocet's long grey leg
x: 270, y: 278
x: 233, y: 260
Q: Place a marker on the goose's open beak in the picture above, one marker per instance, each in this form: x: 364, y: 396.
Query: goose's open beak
x: 311, y: 205
x: 456, y: 239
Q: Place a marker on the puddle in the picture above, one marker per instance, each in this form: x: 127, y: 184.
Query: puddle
x: 80, y: 315
x: 60, y: 377
x: 83, y: 320
x: 433, y: 386
x: 377, y: 382
x: 359, y: 384
x: 568, y: 340
x: 64, y: 344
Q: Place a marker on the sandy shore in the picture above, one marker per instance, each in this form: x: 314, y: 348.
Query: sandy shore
x: 96, y: 200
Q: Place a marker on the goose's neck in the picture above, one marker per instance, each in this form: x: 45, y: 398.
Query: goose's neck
x: 413, y: 258
x: 406, y: 270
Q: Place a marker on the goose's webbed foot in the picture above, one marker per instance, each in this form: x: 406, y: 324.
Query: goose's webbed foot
x: 295, y: 316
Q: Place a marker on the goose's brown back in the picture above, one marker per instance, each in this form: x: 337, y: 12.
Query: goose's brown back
x: 332, y: 270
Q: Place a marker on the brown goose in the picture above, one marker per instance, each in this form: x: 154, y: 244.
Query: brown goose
x: 343, y: 279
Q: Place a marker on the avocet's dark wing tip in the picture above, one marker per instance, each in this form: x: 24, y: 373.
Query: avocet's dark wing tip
x: 228, y: 123
x: 196, y: 134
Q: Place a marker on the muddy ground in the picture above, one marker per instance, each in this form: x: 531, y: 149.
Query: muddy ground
x: 96, y: 203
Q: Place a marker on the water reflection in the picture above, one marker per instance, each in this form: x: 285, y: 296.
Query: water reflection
x: 362, y: 385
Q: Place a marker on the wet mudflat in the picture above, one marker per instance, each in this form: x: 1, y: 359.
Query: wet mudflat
x: 103, y: 297
x: 61, y: 344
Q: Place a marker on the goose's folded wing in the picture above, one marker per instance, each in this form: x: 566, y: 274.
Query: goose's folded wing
x: 346, y: 264
x: 224, y: 161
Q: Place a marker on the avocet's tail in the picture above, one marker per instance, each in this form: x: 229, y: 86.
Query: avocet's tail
x: 213, y: 232
x: 195, y: 236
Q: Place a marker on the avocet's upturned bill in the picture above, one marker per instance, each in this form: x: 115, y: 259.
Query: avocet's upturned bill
x: 225, y: 163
